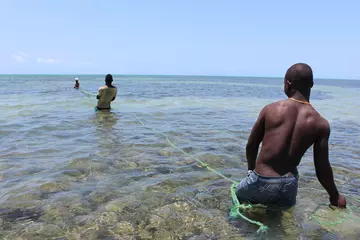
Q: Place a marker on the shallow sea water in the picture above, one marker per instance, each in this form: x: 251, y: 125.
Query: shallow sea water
x: 68, y: 172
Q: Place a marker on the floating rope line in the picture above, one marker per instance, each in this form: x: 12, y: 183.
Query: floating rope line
x: 88, y: 93
x: 345, y: 214
x: 341, y: 220
x: 235, y: 210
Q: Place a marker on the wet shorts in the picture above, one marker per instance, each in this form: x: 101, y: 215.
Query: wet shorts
x: 257, y: 189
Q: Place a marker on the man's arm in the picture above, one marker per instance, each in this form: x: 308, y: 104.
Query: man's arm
x: 255, y: 138
x: 323, y: 168
x: 114, y: 96
x: 99, y: 94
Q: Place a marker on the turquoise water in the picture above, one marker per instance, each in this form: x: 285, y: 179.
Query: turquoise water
x: 67, y: 172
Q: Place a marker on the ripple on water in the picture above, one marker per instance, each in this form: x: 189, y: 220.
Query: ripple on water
x: 69, y: 173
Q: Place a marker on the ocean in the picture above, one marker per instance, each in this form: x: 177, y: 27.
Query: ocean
x: 68, y: 172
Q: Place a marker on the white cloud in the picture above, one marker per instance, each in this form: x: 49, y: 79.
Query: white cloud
x: 21, y: 57
x: 24, y: 54
x: 47, y: 61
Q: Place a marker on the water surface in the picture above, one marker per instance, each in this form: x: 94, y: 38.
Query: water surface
x: 67, y: 172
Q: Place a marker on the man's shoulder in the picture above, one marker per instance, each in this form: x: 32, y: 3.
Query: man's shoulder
x: 323, y: 124
x: 271, y: 107
x: 108, y: 87
x: 318, y: 119
x: 276, y: 104
x: 318, y: 122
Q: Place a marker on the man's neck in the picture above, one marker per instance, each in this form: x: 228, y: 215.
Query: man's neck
x: 299, y: 96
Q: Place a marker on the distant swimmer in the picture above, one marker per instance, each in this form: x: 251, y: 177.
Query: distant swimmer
x: 77, y: 84
x: 106, y: 94
x: 287, y: 129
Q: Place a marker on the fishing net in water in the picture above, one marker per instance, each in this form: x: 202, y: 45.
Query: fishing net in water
x: 342, y: 221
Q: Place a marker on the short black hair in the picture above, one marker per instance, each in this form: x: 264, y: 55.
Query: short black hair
x: 109, y: 78
x: 301, y: 76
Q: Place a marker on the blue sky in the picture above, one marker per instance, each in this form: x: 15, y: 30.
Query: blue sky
x: 189, y: 37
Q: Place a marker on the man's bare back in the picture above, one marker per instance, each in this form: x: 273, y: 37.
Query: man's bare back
x: 106, y: 94
x: 286, y: 130
x: 290, y: 128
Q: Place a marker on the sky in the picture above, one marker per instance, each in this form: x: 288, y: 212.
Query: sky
x: 180, y: 37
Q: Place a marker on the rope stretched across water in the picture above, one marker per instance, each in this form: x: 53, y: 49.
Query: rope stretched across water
x: 343, y: 216
x: 235, y: 210
x: 88, y: 93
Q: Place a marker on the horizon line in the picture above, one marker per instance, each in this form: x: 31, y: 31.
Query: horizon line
x: 163, y: 75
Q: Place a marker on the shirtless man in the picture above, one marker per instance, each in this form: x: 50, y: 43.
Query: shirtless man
x: 287, y: 129
x: 106, y: 94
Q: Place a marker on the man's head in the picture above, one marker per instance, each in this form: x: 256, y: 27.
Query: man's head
x: 76, y: 80
x: 298, y: 78
x: 108, y: 79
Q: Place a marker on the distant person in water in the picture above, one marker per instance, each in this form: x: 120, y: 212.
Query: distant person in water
x: 106, y: 94
x: 287, y: 129
x: 77, y: 84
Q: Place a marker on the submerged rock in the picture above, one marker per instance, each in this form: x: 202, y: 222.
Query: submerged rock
x: 117, y: 205
x: 124, y: 228
x: 73, y: 173
x: 165, y: 152
x: 180, y: 220
x: 26, y: 197
x: 39, y: 231
x: 167, y: 186
x: 54, y: 187
x: 87, y: 166
x: 12, y: 215
x: 163, y: 170
x: 99, y: 197
x: 79, y: 209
